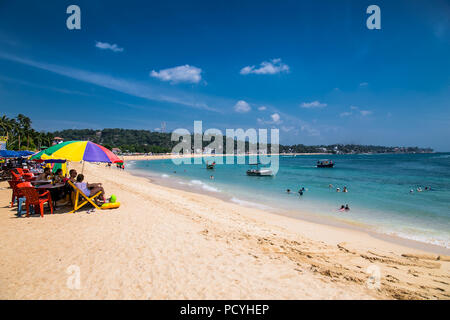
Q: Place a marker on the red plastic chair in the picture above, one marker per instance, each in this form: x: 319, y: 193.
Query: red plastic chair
x: 16, y: 192
x: 33, y: 198
x: 16, y: 175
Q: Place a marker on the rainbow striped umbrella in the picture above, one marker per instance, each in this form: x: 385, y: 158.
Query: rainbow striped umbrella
x: 77, y: 151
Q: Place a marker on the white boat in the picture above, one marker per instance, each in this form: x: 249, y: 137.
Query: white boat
x: 259, y: 172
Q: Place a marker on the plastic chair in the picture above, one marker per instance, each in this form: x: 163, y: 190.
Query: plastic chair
x: 33, y: 198
x: 16, y: 193
x: 16, y: 175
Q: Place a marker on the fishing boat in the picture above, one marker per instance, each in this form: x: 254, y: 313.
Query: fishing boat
x: 261, y: 172
x: 325, y: 163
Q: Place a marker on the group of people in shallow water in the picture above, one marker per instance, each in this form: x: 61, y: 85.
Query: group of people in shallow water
x: 419, y: 189
x: 302, y: 190
x: 338, y: 189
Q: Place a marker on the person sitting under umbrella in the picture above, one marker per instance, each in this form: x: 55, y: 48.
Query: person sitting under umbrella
x: 90, y: 189
x: 45, y: 175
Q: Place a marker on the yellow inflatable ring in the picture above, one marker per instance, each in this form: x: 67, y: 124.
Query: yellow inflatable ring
x: 110, y: 205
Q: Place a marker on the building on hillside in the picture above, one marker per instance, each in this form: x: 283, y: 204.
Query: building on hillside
x: 116, y: 150
x: 57, y: 140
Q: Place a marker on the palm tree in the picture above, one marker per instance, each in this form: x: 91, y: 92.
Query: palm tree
x: 25, y: 127
x: 3, y: 123
x: 37, y: 139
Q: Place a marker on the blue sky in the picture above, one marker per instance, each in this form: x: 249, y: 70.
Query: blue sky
x: 310, y: 68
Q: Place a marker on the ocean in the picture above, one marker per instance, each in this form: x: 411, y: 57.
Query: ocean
x: 378, y: 186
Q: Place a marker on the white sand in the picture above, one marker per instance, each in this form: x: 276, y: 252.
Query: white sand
x: 169, y: 244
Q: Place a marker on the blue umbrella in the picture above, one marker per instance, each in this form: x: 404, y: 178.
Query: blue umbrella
x: 25, y: 153
x: 9, y: 154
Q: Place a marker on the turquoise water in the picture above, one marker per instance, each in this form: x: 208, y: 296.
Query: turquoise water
x: 379, y: 190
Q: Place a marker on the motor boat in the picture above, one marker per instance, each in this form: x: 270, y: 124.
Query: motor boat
x: 325, y: 163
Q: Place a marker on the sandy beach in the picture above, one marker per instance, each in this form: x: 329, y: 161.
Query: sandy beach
x: 164, y: 243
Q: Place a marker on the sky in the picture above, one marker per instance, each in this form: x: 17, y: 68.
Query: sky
x: 312, y: 69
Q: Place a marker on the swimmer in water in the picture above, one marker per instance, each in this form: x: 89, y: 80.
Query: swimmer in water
x: 342, y: 208
x: 338, y: 190
x: 345, y: 189
x: 288, y: 190
x: 300, y: 192
x: 211, y: 177
x: 346, y: 207
x: 330, y: 186
x: 419, y: 189
x: 411, y: 191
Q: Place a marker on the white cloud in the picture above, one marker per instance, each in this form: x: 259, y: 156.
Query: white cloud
x: 275, y: 118
x: 313, y: 104
x: 242, y: 107
x: 365, y: 112
x: 262, y: 108
x: 287, y: 128
x: 108, y: 46
x: 345, y: 114
x: 273, y: 66
x: 130, y: 87
x: 310, y: 131
x: 178, y: 74
x: 356, y: 109
x: 363, y: 84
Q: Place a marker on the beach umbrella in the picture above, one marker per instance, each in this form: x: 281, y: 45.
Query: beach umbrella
x: 77, y: 151
x: 25, y: 153
x: 9, y: 154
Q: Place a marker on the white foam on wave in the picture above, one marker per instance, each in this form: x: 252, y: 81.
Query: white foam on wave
x: 203, y: 185
x: 165, y: 175
x: 424, y: 239
x: 250, y: 204
x: 210, y: 188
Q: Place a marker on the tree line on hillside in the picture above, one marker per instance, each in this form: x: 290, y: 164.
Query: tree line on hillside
x: 144, y: 141
x: 21, y: 136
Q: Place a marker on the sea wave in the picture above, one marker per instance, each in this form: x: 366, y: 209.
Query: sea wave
x: 250, y: 204
x: 421, y: 238
x: 203, y: 185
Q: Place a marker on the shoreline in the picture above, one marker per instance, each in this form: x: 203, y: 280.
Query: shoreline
x: 305, y: 216
x: 162, y: 244
x: 308, y: 217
